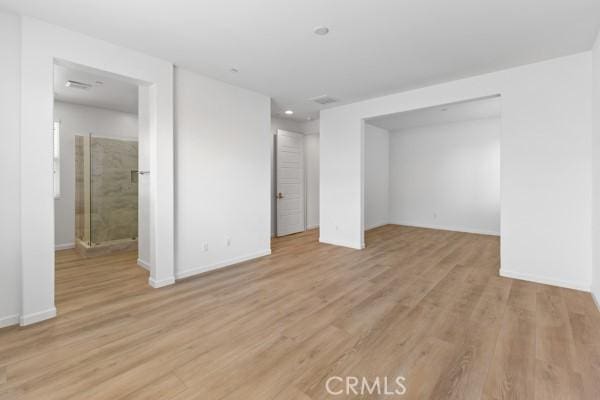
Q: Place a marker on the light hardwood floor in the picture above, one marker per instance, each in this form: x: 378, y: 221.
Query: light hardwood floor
x: 424, y: 304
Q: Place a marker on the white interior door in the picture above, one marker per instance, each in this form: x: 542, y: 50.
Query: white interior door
x: 290, y: 182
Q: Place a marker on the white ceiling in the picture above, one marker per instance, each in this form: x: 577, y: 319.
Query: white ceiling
x: 442, y: 114
x: 106, y: 91
x: 375, y: 47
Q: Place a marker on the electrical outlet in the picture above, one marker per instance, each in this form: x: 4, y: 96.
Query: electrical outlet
x: 434, y: 215
x: 205, y: 246
x: 228, y: 241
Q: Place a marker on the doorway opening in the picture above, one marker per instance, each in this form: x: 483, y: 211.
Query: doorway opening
x: 97, y: 183
x: 43, y: 47
x: 295, y: 177
x: 436, y: 168
x: 290, y: 186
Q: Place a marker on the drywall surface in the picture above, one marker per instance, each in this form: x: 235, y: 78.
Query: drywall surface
x: 447, y: 176
x: 223, y: 174
x: 596, y: 172
x: 311, y: 171
x: 377, y: 176
x: 74, y: 120
x: 10, y: 293
x: 545, y: 162
x: 42, y: 45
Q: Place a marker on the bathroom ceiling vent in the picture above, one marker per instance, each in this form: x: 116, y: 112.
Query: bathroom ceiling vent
x: 324, y: 99
x: 78, y: 85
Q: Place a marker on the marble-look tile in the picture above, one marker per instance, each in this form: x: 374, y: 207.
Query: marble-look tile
x: 114, y: 195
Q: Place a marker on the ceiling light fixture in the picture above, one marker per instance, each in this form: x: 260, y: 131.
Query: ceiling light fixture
x: 289, y: 112
x: 234, y: 70
x: 321, y: 30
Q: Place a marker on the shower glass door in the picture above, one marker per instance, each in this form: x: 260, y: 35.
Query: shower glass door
x: 107, y: 194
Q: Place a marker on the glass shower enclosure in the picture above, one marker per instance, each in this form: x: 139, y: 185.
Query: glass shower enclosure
x: 106, y: 194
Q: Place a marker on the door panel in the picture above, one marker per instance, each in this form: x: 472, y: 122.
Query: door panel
x: 290, y: 182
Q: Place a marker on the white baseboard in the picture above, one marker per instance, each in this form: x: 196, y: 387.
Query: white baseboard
x: 596, y: 300
x: 222, y: 264
x: 368, y: 228
x: 309, y: 227
x: 546, y: 281
x: 342, y: 244
x: 156, y: 284
x: 64, y: 246
x: 37, y: 316
x: 143, y: 264
x: 447, y: 228
x: 9, y: 320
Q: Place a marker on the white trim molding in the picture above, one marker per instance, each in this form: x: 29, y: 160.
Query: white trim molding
x: 37, y: 316
x: 596, y: 300
x: 546, y: 281
x: 64, y: 246
x: 143, y: 264
x: 156, y: 284
x: 9, y: 320
x: 222, y: 264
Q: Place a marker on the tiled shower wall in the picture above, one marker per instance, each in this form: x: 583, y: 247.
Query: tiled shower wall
x: 113, y: 189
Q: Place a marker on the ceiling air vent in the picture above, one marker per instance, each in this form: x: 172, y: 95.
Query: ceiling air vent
x: 78, y: 85
x: 324, y: 99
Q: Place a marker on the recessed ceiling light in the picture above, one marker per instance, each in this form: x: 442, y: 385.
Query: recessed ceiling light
x: 321, y: 30
x: 289, y: 112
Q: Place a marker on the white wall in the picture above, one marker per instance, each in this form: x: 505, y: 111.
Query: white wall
x: 377, y: 176
x: 311, y: 164
x: 545, y: 165
x: 223, y: 169
x: 42, y: 45
x: 144, y: 118
x: 311, y: 127
x: 596, y: 170
x: 447, y: 176
x: 10, y: 43
x: 76, y: 119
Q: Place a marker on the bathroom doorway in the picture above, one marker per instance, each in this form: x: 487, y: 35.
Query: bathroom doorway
x: 98, y: 178
x: 43, y: 47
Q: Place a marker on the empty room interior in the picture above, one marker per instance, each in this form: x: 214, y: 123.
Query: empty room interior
x: 233, y: 199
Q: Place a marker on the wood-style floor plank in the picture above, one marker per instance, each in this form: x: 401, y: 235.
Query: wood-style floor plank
x: 423, y: 304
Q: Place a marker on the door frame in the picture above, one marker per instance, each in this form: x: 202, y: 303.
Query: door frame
x: 42, y: 45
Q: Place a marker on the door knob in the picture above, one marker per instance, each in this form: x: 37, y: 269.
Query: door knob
x: 280, y: 195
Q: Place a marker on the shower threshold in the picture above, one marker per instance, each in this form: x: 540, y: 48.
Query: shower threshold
x: 106, y: 248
